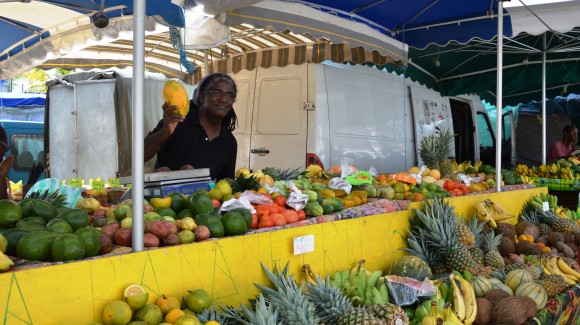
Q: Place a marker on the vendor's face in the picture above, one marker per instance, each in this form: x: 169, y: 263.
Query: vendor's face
x: 573, y: 135
x: 219, y: 98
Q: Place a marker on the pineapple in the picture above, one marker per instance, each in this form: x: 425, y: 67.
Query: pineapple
x: 283, y: 175
x: 288, y: 299
x: 530, y: 214
x: 427, y: 151
x: 329, y: 301
x: 211, y: 314
x: 389, y: 313
x: 464, y: 234
x: 553, y: 283
x: 535, y: 271
x: 55, y: 198
x: 514, y: 266
x: 444, y: 143
x: 476, y: 229
x: 417, y: 245
x: 492, y: 256
x: 438, y: 220
x: 359, y: 316
x: 240, y: 184
x: 556, y: 223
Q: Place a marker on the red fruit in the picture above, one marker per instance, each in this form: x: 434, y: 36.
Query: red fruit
x: 123, y: 237
x: 161, y: 229
x: 106, y: 245
x: 201, y: 233
x: 171, y: 240
x: 216, y: 203
x: 110, y: 229
x: 254, y: 224
x: 149, y: 240
x: 280, y: 200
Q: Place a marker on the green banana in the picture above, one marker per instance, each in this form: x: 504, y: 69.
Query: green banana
x: 443, y: 288
x: 384, y: 292
x: 362, y: 280
x: 345, y: 286
x: 336, y: 277
x: 373, y: 279
x: 377, y: 298
x: 380, y: 281
x: 421, y: 312
x: 467, y: 276
x: 345, y: 275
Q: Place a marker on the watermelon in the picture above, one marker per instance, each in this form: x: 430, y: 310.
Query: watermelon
x: 411, y: 266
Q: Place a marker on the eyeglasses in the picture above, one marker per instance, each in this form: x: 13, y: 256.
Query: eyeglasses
x: 6, y: 145
x: 218, y: 93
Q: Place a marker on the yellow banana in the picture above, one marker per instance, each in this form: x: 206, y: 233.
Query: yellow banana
x: 502, y: 216
x: 5, y: 262
x: 469, y: 299
x: 357, y: 267
x: 553, y: 268
x: 564, y: 267
x: 484, y: 215
x: 458, y: 302
x: 431, y: 318
x: 543, y: 263
x: 449, y: 315
x: 496, y: 207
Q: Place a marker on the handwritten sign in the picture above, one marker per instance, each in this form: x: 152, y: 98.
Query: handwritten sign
x: 98, y: 184
x: 546, y: 206
x: 78, y: 182
x: 114, y: 182
x: 303, y: 245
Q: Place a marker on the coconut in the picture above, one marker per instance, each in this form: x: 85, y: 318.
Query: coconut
x: 554, y: 238
x: 527, y: 228
x: 524, y: 247
x: 511, y: 311
x: 495, y: 296
x: 507, y: 246
x: 531, y: 306
x: 484, y: 308
x: 506, y: 229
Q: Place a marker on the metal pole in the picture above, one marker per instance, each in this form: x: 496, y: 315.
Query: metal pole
x: 499, y: 104
x: 138, y: 139
x: 205, y: 62
x: 544, y: 122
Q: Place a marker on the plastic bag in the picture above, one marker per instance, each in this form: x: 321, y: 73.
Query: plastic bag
x: 462, y: 178
x: 346, y: 167
x: 338, y: 183
x: 296, y: 199
x: 237, y: 203
x: 373, y: 171
x: 405, y: 291
x: 256, y: 198
x: 418, y: 176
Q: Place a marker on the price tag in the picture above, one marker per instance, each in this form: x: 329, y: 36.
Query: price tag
x: 129, y: 186
x: 546, y: 206
x: 304, y: 244
x: 78, y: 182
x: 114, y: 182
x: 98, y: 184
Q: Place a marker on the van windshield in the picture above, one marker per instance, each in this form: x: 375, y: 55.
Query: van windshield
x: 27, y: 148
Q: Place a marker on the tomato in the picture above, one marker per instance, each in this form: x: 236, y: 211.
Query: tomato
x: 448, y: 185
x: 254, y: 224
x: 274, y: 208
x: 290, y: 215
x: 301, y: 215
x: 280, y: 200
x: 266, y: 222
x: 457, y: 185
x: 279, y: 219
x: 262, y: 210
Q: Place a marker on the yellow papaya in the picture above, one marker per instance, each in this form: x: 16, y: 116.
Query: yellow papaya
x: 176, y: 95
x: 327, y: 193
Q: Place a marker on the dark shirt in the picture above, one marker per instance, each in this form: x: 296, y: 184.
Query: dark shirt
x: 189, y: 145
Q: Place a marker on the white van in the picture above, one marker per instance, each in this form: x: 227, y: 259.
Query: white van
x: 321, y: 113
x: 288, y: 117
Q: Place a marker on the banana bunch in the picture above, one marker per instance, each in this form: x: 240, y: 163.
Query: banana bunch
x: 565, y: 213
x: 523, y: 170
x: 566, y: 173
x: 313, y: 171
x: 365, y: 288
x: 491, y: 213
x: 243, y: 172
x: 5, y: 262
x: 538, y: 201
x: 307, y: 276
x: 460, y: 168
x: 557, y: 265
x: 464, y: 300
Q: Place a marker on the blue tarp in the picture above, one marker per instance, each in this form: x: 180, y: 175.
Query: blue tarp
x: 568, y: 106
x: 14, y: 102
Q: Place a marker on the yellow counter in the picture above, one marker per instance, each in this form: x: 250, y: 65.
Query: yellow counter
x: 75, y: 293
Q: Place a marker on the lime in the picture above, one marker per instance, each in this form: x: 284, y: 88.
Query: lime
x: 197, y: 300
x: 117, y: 312
x: 150, y: 314
x: 135, y: 296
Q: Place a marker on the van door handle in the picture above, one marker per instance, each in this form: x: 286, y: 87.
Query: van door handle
x: 260, y: 151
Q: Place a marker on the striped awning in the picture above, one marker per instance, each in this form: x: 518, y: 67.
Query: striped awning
x: 249, y: 48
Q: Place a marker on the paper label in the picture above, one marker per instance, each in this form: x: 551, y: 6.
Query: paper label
x: 75, y: 182
x: 546, y: 206
x: 114, y: 182
x: 98, y: 184
x: 304, y: 244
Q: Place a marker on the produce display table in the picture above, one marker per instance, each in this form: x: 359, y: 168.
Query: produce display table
x: 36, y: 293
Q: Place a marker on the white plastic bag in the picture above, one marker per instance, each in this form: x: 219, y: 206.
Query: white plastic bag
x: 418, y: 176
x: 338, y: 183
x: 237, y: 203
x: 346, y: 167
x: 256, y: 198
x: 296, y: 200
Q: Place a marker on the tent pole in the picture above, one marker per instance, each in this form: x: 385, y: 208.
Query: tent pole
x: 498, y: 104
x: 137, y: 124
x: 544, y: 122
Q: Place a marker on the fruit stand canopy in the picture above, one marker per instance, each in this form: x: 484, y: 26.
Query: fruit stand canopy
x: 450, y: 28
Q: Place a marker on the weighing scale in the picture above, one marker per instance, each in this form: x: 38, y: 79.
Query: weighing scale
x: 160, y: 184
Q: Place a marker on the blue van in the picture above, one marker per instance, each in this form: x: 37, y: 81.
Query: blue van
x: 26, y: 141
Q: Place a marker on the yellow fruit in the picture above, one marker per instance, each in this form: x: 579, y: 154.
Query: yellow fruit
x: 89, y: 205
x: 117, y: 312
x: 414, y: 170
x: 167, y: 303
x: 428, y: 179
x: 267, y: 179
x: 211, y: 322
x: 426, y: 172
x: 135, y: 296
x: 224, y: 187
x: 215, y: 194
x: 161, y: 202
x: 175, y: 95
x: 435, y: 174
x: 187, y: 320
x: 3, y: 244
x: 173, y: 315
x: 263, y: 190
